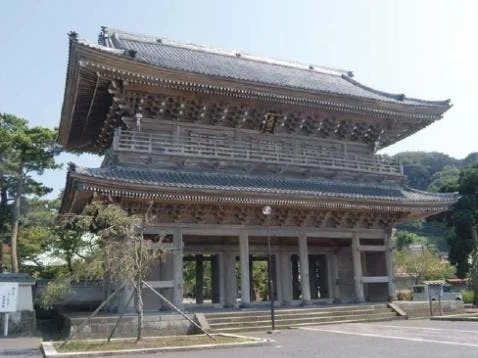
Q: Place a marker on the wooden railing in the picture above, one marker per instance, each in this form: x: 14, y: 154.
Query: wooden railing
x: 268, y: 152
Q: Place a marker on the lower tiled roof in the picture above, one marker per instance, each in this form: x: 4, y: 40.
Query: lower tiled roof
x: 246, y: 183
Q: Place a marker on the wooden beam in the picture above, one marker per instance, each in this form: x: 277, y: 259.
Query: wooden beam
x: 372, y: 248
x: 375, y: 279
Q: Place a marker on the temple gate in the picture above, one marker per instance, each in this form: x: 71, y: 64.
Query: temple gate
x: 200, y: 140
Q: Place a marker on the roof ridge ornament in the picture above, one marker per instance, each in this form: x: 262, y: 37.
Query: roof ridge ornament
x: 103, y: 36
x: 73, y: 35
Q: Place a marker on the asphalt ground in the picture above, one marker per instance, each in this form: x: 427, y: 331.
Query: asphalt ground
x: 391, y: 339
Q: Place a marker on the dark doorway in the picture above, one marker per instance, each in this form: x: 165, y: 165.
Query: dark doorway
x: 318, y: 275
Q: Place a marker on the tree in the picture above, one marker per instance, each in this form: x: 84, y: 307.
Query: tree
x: 419, y: 167
x: 464, y: 218
x: 70, y: 239
x: 424, y: 266
x: 444, y: 178
x: 35, y: 229
x: 121, y: 254
x: 25, y: 151
x: 405, y: 239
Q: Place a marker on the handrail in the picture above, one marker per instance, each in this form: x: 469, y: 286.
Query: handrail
x: 293, y: 152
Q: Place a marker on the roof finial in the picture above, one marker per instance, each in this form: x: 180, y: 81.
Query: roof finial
x: 71, y: 167
x: 131, y: 53
x: 102, y: 36
x: 73, y: 35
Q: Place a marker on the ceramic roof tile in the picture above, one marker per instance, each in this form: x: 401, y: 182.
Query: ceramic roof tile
x: 262, y: 184
x: 199, y: 59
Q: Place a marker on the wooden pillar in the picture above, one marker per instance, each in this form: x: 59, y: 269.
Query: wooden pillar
x: 334, y: 284
x: 357, y: 263
x: 295, y: 277
x: 285, y: 278
x: 252, y: 294
x: 273, y: 264
x: 244, y: 258
x: 230, y: 283
x: 313, y: 276
x: 304, y: 269
x: 215, y: 286
x: 178, y: 268
x: 199, y: 279
x: 389, y: 262
x: 221, y: 274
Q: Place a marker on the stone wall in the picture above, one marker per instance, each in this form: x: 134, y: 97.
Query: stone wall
x: 155, y: 324
x: 21, y: 323
x: 82, y: 296
x: 419, y: 309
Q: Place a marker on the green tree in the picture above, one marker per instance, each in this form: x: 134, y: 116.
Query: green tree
x: 35, y: 229
x: 119, y: 253
x: 404, y: 239
x: 446, y: 177
x: 464, y: 218
x: 424, y: 266
x: 71, y: 240
x: 419, y: 167
x: 29, y: 150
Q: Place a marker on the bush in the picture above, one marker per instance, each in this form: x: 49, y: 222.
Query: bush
x: 405, y: 295
x: 467, y: 296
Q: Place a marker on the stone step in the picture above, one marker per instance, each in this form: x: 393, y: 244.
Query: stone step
x: 266, y: 327
x: 299, y: 320
x: 266, y: 312
x: 297, y: 314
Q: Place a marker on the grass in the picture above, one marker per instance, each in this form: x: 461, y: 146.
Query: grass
x: 467, y: 296
x: 158, y: 342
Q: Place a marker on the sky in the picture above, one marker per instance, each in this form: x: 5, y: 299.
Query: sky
x: 426, y: 49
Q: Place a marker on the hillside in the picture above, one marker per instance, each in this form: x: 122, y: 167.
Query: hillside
x: 431, y: 170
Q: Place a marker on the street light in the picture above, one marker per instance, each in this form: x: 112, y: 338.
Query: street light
x: 266, y: 211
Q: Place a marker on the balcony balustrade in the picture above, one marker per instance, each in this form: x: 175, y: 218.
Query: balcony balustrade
x: 295, y: 153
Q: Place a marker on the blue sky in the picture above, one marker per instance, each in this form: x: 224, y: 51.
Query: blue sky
x: 425, y: 49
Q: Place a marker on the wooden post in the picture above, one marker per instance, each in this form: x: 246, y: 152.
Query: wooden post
x: 229, y: 280
x: 244, y: 257
x: 304, y: 269
x: 357, y: 263
x: 178, y: 268
x: 389, y: 262
x: 199, y: 279
x: 6, y: 317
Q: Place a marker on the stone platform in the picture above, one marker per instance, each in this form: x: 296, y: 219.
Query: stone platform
x: 155, y: 324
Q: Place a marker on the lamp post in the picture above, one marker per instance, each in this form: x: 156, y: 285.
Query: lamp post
x: 267, y: 210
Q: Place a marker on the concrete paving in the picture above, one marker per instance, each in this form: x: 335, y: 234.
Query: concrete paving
x: 393, y: 339
x: 20, y: 347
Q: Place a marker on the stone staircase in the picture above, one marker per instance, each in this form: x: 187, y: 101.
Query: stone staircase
x: 260, y: 320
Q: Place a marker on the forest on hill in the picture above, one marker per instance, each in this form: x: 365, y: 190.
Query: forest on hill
x: 431, y: 171
x: 435, y: 172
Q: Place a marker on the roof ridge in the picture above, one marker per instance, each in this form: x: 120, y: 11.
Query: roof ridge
x: 243, y: 175
x: 110, y: 32
x: 418, y: 191
x: 398, y: 97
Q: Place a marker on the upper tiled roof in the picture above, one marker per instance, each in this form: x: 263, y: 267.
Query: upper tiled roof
x: 202, y: 60
x: 262, y: 184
